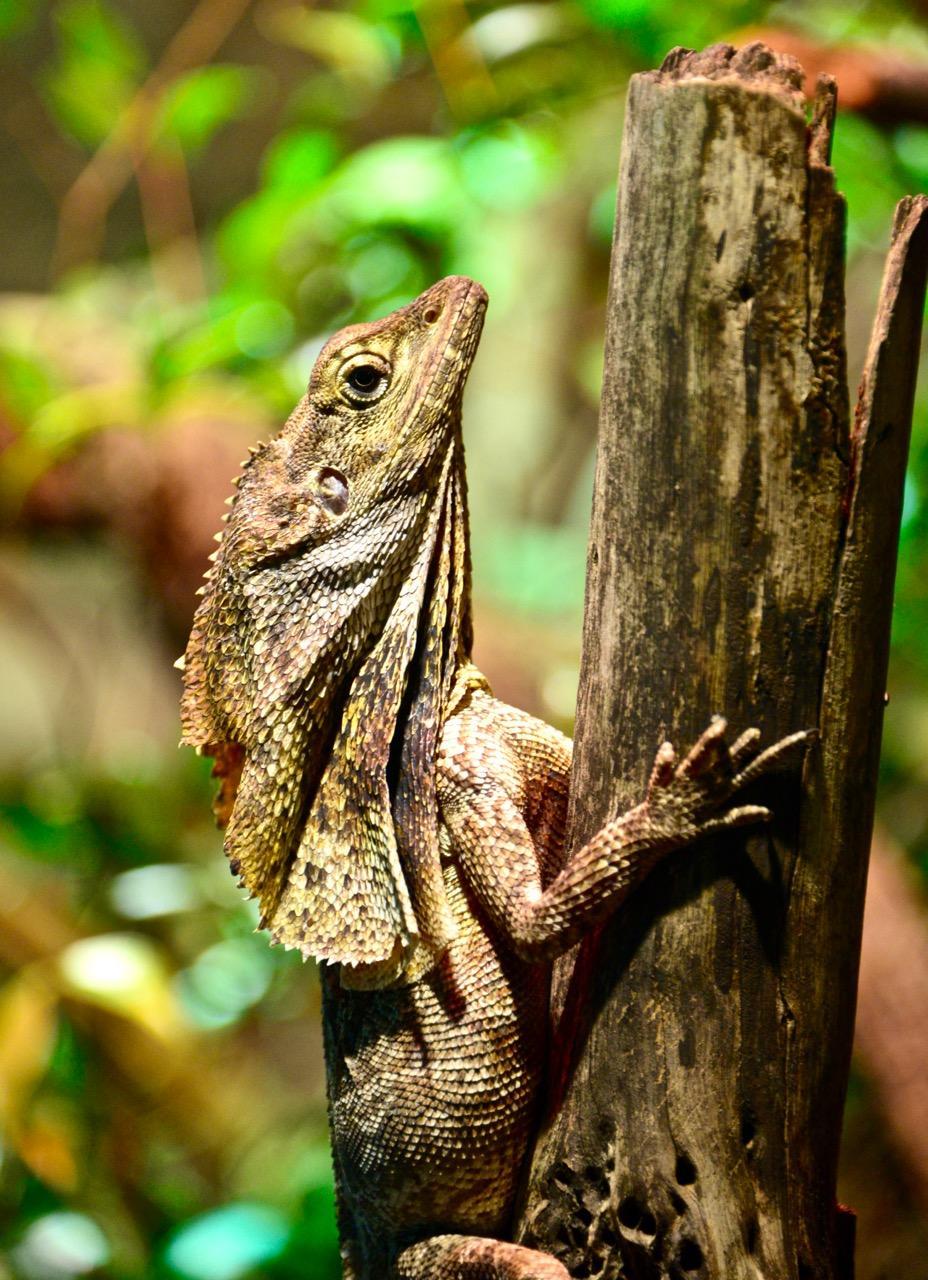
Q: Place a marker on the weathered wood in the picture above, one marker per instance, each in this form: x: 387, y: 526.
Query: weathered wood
x: 741, y: 561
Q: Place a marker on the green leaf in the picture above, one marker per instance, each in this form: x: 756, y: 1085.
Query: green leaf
x: 199, y: 103
x: 25, y: 383
x: 651, y: 27
x: 409, y: 181
x: 250, y: 237
x: 17, y: 16
x: 362, y: 52
x: 508, y: 167
x: 379, y: 265
x: 602, y: 215
x: 865, y: 171
x: 240, y: 323
x: 911, y: 146
x: 99, y: 65
x: 298, y: 160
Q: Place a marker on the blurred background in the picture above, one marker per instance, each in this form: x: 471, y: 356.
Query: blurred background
x: 193, y: 195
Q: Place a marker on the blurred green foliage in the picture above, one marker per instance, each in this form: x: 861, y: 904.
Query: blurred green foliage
x: 201, y: 193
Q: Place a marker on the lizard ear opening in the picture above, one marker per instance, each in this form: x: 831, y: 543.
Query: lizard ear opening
x: 332, y: 490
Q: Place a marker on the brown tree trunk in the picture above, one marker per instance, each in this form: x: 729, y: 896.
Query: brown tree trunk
x: 741, y: 561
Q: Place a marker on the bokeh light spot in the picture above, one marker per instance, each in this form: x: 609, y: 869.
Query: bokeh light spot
x: 264, y: 329
x: 225, y: 980
x: 227, y: 1243
x: 59, y: 1245
x: 159, y: 889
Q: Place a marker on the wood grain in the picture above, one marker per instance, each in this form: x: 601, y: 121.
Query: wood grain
x: 741, y: 559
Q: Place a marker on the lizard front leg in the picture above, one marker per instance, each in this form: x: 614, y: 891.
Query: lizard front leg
x: 684, y: 802
x: 475, y: 1258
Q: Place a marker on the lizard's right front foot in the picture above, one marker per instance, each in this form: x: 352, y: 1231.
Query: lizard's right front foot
x: 475, y: 1258
x: 690, y: 799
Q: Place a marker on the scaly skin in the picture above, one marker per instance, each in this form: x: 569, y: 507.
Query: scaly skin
x: 392, y: 817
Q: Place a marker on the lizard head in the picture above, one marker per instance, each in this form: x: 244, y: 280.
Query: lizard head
x: 332, y: 621
x: 378, y: 417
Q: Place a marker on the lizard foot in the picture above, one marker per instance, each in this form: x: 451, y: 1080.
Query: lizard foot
x: 694, y: 794
x: 475, y: 1258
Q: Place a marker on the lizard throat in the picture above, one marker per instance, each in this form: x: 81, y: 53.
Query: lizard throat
x: 320, y: 682
x: 331, y: 821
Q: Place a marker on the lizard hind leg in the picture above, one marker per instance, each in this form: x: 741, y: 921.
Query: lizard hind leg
x: 475, y: 1258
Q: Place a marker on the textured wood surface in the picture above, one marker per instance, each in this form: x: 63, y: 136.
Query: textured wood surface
x: 741, y: 561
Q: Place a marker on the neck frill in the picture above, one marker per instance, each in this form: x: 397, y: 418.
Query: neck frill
x: 334, y: 824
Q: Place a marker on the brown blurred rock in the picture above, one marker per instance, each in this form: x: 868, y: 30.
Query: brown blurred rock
x: 162, y: 492
x: 879, y: 83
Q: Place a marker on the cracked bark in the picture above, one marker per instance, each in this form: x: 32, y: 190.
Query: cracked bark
x: 741, y: 560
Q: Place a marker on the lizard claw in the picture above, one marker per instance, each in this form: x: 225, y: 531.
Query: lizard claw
x: 743, y: 748
x: 662, y: 771
x: 694, y: 796
x: 709, y: 751
x: 744, y: 815
x: 768, y: 758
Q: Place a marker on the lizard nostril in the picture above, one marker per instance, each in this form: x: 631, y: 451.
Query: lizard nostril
x: 431, y: 314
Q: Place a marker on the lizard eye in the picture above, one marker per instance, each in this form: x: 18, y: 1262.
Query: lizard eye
x: 363, y: 379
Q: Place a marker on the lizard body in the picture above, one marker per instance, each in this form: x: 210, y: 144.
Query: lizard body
x: 394, y: 819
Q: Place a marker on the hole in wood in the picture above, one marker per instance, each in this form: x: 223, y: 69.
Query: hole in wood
x: 597, y: 1181
x: 685, y: 1171
x: 690, y: 1255
x: 609, y: 1238
x: 745, y: 291
x: 633, y: 1216
x: 751, y: 1233
x: 630, y: 1212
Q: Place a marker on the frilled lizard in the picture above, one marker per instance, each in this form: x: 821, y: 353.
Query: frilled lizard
x: 393, y: 818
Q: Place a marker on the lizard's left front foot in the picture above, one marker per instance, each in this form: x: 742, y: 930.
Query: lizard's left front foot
x: 475, y: 1258
x: 693, y: 797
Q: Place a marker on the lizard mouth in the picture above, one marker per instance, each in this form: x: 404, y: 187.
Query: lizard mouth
x: 461, y: 303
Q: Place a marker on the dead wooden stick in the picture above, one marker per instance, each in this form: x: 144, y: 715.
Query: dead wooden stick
x: 741, y: 561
